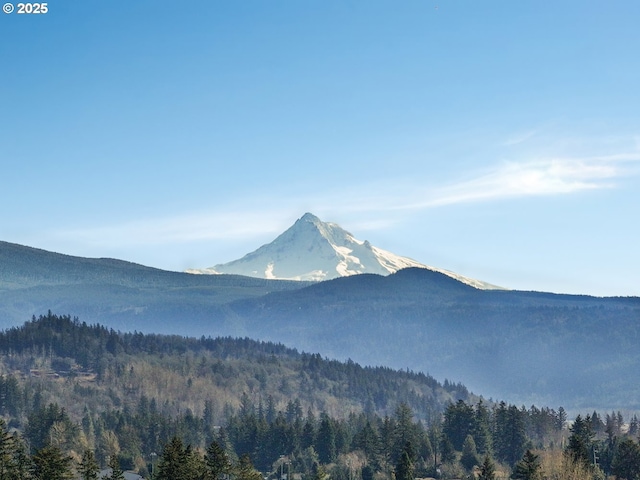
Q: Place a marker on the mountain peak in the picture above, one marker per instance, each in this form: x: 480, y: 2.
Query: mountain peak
x: 309, y: 217
x: 315, y: 250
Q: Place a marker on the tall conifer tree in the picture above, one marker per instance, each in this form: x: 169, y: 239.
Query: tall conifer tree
x: 88, y: 467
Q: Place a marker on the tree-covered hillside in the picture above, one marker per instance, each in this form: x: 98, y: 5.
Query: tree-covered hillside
x: 106, y: 367
x: 574, y: 350
x: 75, y: 397
x: 528, y: 346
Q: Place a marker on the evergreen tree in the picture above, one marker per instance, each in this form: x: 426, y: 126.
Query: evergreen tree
x: 435, y: 438
x: 510, y: 437
x: 425, y: 449
x: 626, y: 461
x: 469, y: 457
x: 194, y: 465
x: 481, y: 431
x: 41, y: 421
x: 488, y: 469
x: 7, y: 469
x: 49, y: 463
x: 528, y: 468
x: 208, y: 418
x: 172, y: 463
x: 326, y: 442
x: 216, y: 461
x: 308, y: 431
x: 612, y: 427
x: 447, y: 452
x: 633, y: 426
x: 405, y: 467
x: 596, y: 423
x: 561, y: 419
x: 88, y: 468
x: 116, y: 471
x: 459, y: 421
x: 22, y: 463
x: 387, y: 429
x: 368, y: 441
x: 405, y: 431
x: 244, y: 469
x: 580, y: 441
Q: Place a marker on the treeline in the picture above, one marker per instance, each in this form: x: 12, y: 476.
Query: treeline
x: 176, y: 462
x: 67, y: 346
x: 258, y: 441
x: 159, y: 405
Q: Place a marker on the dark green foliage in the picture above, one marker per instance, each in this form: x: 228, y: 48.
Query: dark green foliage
x: 95, y: 348
x: 173, y: 461
x: 562, y: 418
x: 244, y: 469
x: 542, y: 423
x: 367, y: 472
x: 528, y: 468
x: 469, y: 457
x: 405, y: 434
x: 626, y: 461
x: 195, y: 468
x: 613, y: 425
x: 458, y: 423
x: 40, y: 422
x: 50, y: 463
x: 10, y: 401
x: 580, y: 443
x: 509, y: 439
x: 387, y: 440
x: 634, y: 426
x: 447, y: 452
x: 7, y: 469
x: 481, y: 430
x: 216, y: 461
x: 368, y: 440
x: 22, y: 463
x: 88, y: 467
x: 116, y: 471
x: 488, y: 469
x: 434, y: 434
x: 405, y: 466
x: 326, y: 442
x: 125, y: 423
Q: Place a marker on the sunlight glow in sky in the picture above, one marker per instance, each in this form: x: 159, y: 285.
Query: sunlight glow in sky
x: 497, y: 139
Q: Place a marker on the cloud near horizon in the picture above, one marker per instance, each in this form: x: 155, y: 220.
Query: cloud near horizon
x: 371, y: 211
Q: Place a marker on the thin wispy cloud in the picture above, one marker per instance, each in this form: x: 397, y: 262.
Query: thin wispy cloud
x: 369, y: 207
x: 215, y: 225
x: 507, y: 180
x: 543, y: 177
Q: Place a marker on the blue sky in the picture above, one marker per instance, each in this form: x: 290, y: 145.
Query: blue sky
x: 498, y: 139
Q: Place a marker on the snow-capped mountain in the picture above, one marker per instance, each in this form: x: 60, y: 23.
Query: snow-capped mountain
x: 315, y: 250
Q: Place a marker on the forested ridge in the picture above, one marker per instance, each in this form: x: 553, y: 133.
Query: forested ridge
x: 506, y: 344
x: 75, y: 397
x: 77, y: 350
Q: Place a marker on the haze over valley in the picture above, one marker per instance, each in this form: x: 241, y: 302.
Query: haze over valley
x: 319, y: 240
x: 527, y: 347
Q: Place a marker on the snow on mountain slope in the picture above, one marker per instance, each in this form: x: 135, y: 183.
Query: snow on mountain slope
x: 315, y: 250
